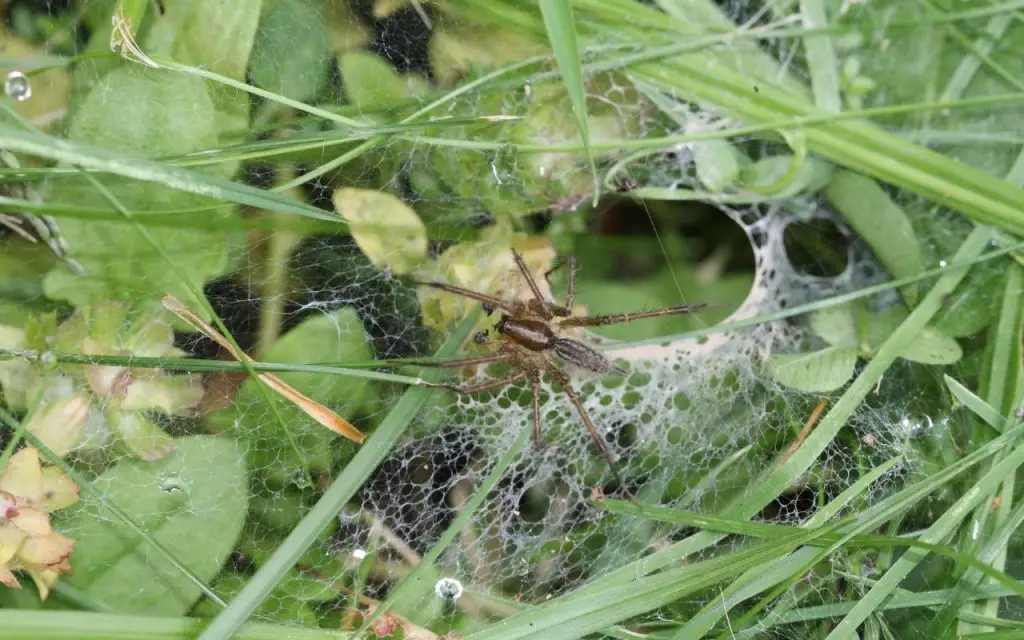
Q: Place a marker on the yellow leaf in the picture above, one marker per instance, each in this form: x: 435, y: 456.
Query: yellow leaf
x: 60, y: 423
x: 22, y: 478
x: 389, y: 232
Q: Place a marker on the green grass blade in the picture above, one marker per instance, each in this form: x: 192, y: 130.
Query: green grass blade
x: 989, y: 414
x: 902, y: 600
x: 352, y: 477
x: 821, y: 58
x: 578, y: 614
x: 942, y: 527
x: 561, y: 29
x: 756, y: 580
x: 968, y: 583
x: 104, y: 160
x: 24, y: 624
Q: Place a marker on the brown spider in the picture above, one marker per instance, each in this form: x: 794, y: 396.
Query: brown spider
x: 531, y: 342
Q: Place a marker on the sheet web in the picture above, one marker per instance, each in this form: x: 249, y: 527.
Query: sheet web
x: 692, y: 424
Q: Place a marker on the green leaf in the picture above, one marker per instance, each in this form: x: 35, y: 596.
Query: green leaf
x: 369, y: 81
x: 882, y: 224
x: 290, y: 54
x: 716, y: 163
x: 338, y: 337
x: 155, y: 113
x: 785, y: 175
x: 386, y: 229
x: 931, y: 346
x: 968, y: 310
x: 836, y: 325
x: 818, y: 371
x: 193, y: 502
x: 218, y: 35
x: 928, y: 346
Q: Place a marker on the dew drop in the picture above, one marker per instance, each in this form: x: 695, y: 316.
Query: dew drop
x: 942, y: 264
x: 17, y: 86
x: 358, y: 554
x: 170, y: 483
x: 448, y: 589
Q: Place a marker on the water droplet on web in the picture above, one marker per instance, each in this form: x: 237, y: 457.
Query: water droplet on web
x: 170, y: 483
x: 942, y: 264
x: 358, y: 554
x: 17, y: 86
x: 301, y: 480
x: 448, y: 589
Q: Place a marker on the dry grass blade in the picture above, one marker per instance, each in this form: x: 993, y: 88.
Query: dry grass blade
x: 311, y: 407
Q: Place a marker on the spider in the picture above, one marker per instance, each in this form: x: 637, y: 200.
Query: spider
x: 532, y: 342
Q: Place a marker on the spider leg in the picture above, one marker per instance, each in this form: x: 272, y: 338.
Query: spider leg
x: 455, y: 362
x: 616, y: 318
x: 535, y: 384
x: 574, y: 398
x: 542, y: 307
x: 570, y: 296
x: 512, y: 308
x: 483, y: 386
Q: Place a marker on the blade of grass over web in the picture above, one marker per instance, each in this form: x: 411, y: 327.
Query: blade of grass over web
x: 199, y: 298
x: 943, y: 527
x: 877, y: 514
x: 756, y: 580
x: 190, y: 364
x: 25, y: 624
x: 983, y: 410
x: 900, y: 600
x: 766, y: 489
x: 352, y: 477
x: 954, y: 607
x: 106, y: 161
x: 770, y: 531
x: 412, y: 585
x: 561, y: 30
x: 872, y: 517
x: 970, y: 64
x: 655, y: 144
x: 18, y: 428
x: 1001, y: 382
x: 577, y: 614
x: 1001, y: 386
x: 979, y: 51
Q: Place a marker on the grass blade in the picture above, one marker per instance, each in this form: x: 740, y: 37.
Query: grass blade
x: 128, y: 166
x: 23, y: 624
x: 561, y: 29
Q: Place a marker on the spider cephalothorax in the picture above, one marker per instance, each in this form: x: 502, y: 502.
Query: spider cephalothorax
x: 532, y: 341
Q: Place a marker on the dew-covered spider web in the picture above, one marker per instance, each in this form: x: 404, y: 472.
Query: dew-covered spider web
x: 468, y: 149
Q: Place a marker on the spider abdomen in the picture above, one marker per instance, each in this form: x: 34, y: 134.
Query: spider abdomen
x: 534, y: 335
x: 582, y: 356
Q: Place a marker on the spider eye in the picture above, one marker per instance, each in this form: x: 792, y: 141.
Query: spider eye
x: 488, y: 308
